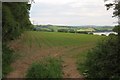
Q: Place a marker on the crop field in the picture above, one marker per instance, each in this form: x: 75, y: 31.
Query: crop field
x: 55, y: 39
x: 32, y: 46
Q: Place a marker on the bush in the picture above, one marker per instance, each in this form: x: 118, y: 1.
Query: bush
x: 63, y: 30
x: 82, y: 32
x: 103, y: 61
x: 43, y: 29
x: 91, y: 33
x: 6, y: 59
x: 71, y: 31
x: 103, y: 35
x: 15, y: 20
x: 117, y: 29
x: 112, y: 34
x: 49, y: 68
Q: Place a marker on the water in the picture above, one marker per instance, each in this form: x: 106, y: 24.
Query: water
x: 105, y: 33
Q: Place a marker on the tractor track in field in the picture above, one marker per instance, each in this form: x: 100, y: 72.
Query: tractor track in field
x: 31, y: 53
x: 21, y: 64
x: 70, y: 69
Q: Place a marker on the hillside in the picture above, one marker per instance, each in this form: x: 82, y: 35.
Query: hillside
x: 55, y: 28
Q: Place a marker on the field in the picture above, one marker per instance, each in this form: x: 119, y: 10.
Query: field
x: 33, y: 46
x: 55, y: 28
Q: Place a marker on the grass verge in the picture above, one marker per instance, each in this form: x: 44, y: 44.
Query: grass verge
x: 81, y: 58
x: 47, y: 68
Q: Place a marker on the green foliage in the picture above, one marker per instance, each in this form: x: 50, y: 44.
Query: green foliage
x: 117, y: 29
x: 9, y: 24
x: 63, y: 30
x: 80, y: 62
x: 72, y: 31
x: 82, y: 32
x: 112, y: 34
x: 103, y: 61
x: 116, y: 13
x: 48, y: 68
x: 103, y: 29
x: 6, y: 59
x: 15, y: 20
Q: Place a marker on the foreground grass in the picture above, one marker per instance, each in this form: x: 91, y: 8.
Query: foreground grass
x: 47, y: 68
x: 80, y: 62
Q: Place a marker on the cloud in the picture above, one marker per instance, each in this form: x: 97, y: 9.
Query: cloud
x: 71, y: 12
x: 54, y: 2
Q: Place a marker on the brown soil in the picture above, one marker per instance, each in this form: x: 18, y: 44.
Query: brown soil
x: 69, y: 69
x: 31, y: 54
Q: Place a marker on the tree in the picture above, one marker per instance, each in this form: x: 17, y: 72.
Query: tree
x: 15, y: 20
x: 116, y: 13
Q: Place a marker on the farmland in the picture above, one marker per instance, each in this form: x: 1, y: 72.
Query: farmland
x: 64, y: 40
x: 56, y: 28
x: 32, y: 46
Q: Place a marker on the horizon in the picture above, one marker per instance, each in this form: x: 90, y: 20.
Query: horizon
x: 76, y: 25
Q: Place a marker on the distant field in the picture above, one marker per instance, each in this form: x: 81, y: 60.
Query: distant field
x: 53, y: 39
x: 105, y: 28
x: 55, y: 28
x: 33, y: 46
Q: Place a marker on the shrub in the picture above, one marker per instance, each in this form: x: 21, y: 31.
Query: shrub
x: 34, y: 29
x: 63, y: 30
x: 82, y: 32
x: 47, y: 68
x: 103, y: 61
x: 43, y: 29
x: 6, y: 59
x: 71, y: 31
x: 117, y: 29
x: 111, y: 34
x: 103, y: 35
x: 15, y: 20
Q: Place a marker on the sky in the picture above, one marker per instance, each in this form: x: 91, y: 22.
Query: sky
x: 71, y: 12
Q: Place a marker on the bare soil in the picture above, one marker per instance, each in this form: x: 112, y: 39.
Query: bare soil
x: 29, y: 54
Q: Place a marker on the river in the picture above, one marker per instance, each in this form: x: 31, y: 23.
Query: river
x: 105, y: 33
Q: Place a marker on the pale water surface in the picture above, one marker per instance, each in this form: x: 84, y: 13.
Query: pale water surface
x: 105, y: 33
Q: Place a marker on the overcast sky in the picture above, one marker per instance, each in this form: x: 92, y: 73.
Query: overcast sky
x: 71, y: 12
